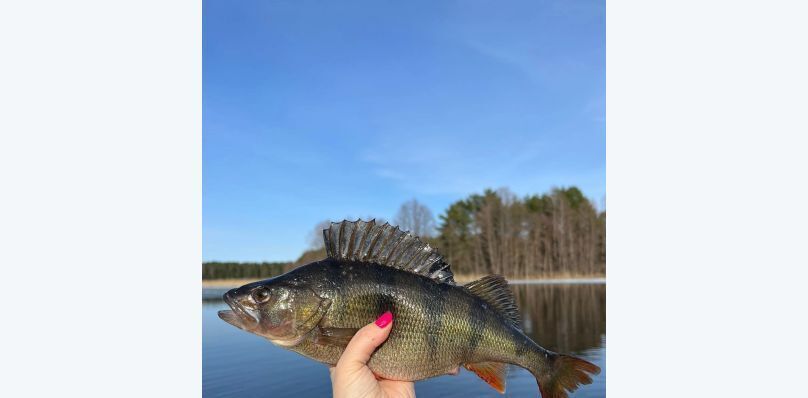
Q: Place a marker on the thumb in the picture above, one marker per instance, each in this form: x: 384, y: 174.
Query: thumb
x: 364, y: 342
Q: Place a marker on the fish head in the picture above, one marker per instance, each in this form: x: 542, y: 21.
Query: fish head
x: 281, y: 310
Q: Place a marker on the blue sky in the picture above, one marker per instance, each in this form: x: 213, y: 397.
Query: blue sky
x: 318, y: 110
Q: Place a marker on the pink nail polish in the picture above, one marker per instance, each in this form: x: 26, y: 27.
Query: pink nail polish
x: 385, y: 319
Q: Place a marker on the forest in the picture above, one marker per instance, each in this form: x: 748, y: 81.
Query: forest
x: 234, y: 270
x: 558, y: 234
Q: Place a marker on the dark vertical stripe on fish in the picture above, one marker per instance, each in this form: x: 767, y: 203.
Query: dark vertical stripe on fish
x: 334, y: 272
x: 435, y: 304
x: 387, y: 283
x: 385, y: 303
x: 521, y: 347
x: 477, y: 326
x: 386, y: 278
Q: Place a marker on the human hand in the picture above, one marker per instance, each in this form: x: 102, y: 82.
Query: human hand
x: 352, y: 378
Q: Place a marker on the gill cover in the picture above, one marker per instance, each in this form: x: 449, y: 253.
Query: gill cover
x: 281, y: 311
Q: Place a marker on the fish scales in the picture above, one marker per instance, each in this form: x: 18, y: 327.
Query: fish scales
x: 436, y: 328
x: 438, y: 325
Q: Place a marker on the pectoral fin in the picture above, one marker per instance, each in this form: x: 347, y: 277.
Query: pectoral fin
x: 492, y: 372
x: 335, y: 336
x: 309, y: 324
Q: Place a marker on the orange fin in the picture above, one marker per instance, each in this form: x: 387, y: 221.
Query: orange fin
x: 492, y: 372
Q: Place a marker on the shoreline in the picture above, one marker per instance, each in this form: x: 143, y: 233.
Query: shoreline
x: 231, y: 283
x: 558, y: 281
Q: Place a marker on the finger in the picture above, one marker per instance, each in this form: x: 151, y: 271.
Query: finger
x: 398, y: 388
x: 364, y: 342
x: 454, y: 371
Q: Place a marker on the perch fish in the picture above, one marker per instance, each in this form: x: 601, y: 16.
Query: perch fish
x: 439, y: 325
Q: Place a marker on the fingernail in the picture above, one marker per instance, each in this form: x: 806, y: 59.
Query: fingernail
x: 385, y: 319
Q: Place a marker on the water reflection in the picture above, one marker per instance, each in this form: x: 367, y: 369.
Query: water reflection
x: 213, y: 295
x: 563, y: 318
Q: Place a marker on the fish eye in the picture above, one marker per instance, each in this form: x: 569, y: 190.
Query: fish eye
x: 261, y: 295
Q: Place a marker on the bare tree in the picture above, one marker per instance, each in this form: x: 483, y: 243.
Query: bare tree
x: 414, y: 217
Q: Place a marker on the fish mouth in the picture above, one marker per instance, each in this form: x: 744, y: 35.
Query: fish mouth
x: 237, y: 316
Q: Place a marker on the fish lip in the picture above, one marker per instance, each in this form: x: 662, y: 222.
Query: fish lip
x: 237, y: 313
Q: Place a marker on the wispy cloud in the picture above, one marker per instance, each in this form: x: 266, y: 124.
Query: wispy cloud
x: 533, y: 39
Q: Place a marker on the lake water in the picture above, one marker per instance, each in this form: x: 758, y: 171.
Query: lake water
x: 567, y: 318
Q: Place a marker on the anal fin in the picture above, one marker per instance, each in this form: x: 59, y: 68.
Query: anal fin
x: 493, y: 373
x: 334, y: 336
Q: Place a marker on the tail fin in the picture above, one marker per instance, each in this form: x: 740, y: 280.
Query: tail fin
x: 564, y: 374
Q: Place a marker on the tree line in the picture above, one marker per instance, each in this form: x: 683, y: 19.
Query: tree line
x: 557, y: 234
x: 234, y: 270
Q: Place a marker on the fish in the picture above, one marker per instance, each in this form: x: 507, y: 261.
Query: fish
x: 316, y: 309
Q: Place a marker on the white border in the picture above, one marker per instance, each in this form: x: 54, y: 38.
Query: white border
x: 706, y: 171
x: 100, y: 210
x: 100, y: 170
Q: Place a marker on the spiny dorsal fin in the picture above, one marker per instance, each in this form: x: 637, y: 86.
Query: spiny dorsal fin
x: 494, y: 290
x: 386, y: 245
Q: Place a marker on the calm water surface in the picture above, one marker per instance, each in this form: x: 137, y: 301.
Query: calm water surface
x: 567, y: 318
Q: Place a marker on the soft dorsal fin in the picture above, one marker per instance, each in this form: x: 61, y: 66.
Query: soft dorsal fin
x: 494, y: 290
x: 385, y: 245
